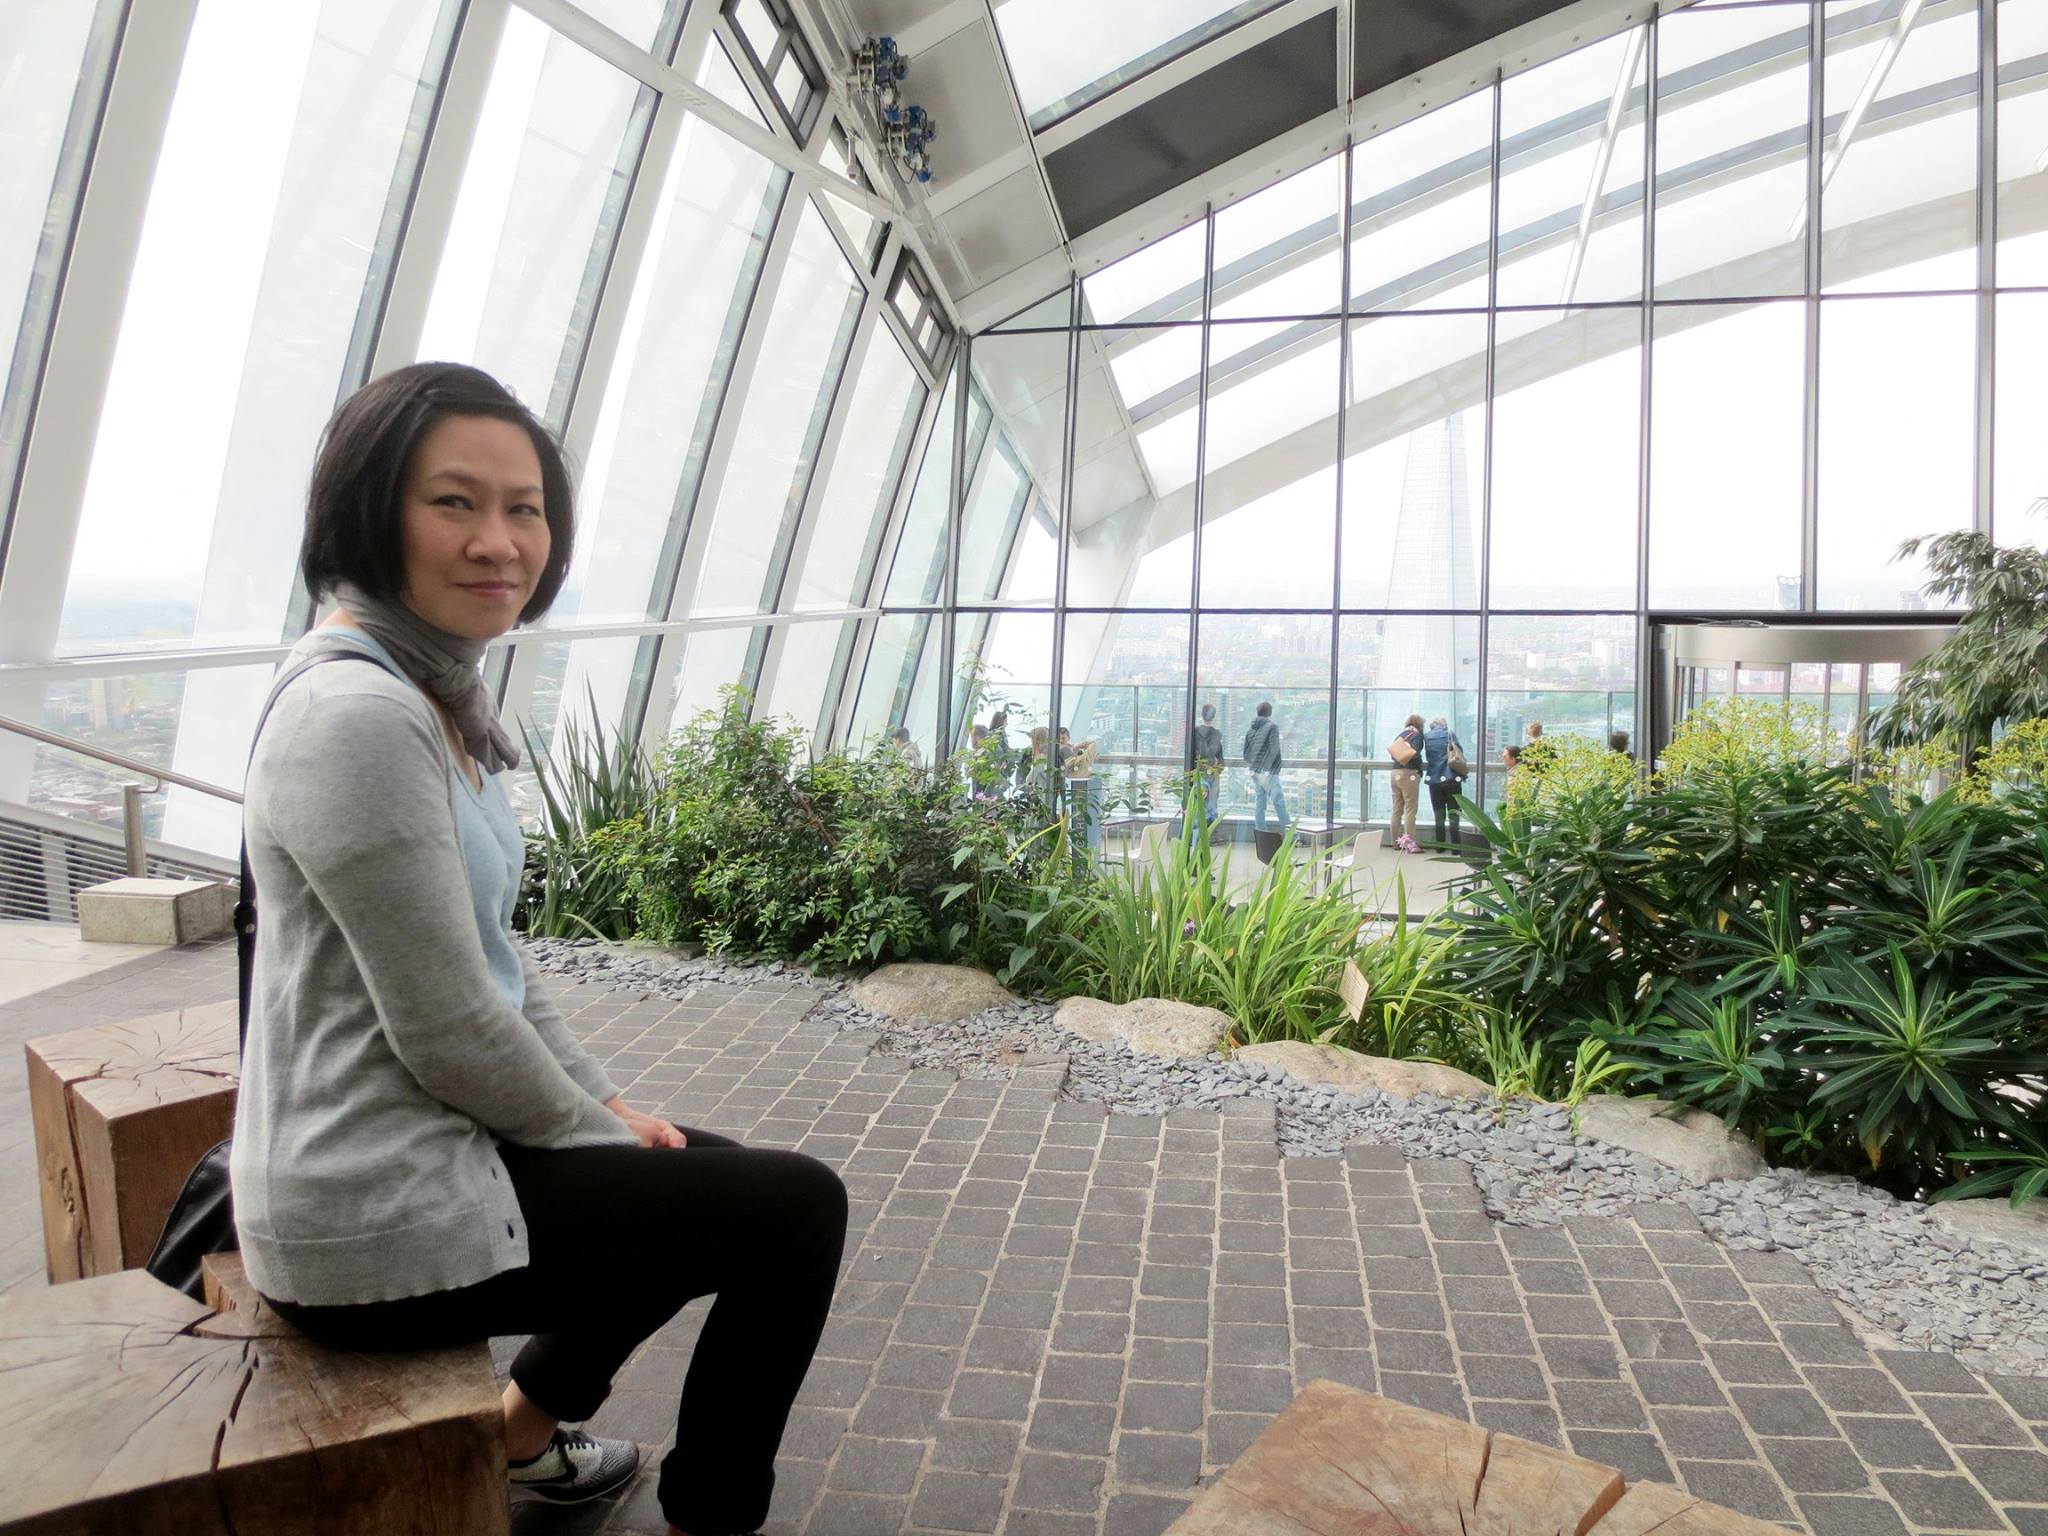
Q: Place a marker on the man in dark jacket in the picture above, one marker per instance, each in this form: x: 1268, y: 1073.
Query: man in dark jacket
x: 1263, y: 762
x: 1208, y: 745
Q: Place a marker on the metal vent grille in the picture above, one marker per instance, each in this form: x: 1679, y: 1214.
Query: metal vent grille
x: 46, y: 860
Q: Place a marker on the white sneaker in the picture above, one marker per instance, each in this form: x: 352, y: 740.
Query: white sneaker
x: 575, y: 1467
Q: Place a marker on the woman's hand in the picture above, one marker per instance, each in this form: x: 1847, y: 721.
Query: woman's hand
x: 652, y: 1131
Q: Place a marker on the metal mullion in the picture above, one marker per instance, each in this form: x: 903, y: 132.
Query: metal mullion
x: 949, y: 577
x: 1987, y: 261
x: 1187, y: 734
x: 21, y: 382
x: 78, y: 358
x: 1064, y: 519
x: 798, y: 545
x: 1644, y: 663
x: 696, y: 536
x: 1809, y: 504
x: 1343, y: 415
x: 1486, y: 448
x: 896, y: 525
x: 855, y: 664
x: 795, y: 543
x: 593, y: 374
x: 467, y: 80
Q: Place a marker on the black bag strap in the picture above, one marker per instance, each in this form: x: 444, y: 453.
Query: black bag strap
x: 245, y: 909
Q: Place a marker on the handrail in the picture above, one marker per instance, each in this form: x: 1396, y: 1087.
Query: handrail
x: 162, y: 776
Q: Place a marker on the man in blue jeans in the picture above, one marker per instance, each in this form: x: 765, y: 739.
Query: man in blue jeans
x: 1262, y: 761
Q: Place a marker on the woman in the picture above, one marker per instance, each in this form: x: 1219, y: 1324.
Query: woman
x: 424, y: 1154
x: 1442, y: 755
x: 1406, y: 751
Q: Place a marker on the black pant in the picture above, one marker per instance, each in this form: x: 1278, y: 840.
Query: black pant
x: 1444, y: 798
x: 620, y: 1238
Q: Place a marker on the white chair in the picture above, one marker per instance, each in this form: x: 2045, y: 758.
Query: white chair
x: 1146, y: 854
x: 1355, y: 865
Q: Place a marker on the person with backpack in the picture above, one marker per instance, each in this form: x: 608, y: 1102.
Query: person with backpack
x: 1444, y: 767
x: 424, y: 1153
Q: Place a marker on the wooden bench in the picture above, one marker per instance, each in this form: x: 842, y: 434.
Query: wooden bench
x: 136, y: 1409
x: 1340, y: 1462
x: 121, y: 1113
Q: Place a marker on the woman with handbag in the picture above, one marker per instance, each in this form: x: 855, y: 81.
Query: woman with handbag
x: 1444, y: 767
x: 1406, y: 751
x: 424, y: 1154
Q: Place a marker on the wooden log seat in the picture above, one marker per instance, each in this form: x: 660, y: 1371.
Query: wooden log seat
x: 1340, y: 1462
x: 121, y: 1113
x: 131, y: 1408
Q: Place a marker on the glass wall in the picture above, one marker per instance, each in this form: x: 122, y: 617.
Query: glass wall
x: 312, y: 192
x: 1702, y: 318
x: 1433, y: 426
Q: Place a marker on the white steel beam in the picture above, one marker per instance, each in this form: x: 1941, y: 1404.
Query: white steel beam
x: 63, y: 425
x: 1617, y: 109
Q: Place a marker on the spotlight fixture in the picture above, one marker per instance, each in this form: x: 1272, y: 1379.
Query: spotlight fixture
x: 909, y: 143
x: 879, y: 69
x: 905, y: 131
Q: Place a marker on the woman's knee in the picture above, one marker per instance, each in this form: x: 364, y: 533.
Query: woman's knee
x: 810, y: 1196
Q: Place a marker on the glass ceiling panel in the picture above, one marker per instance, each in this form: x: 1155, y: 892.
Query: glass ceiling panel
x: 1066, y: 53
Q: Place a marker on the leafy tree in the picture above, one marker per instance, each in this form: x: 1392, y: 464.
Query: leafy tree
x: 1995, y: 666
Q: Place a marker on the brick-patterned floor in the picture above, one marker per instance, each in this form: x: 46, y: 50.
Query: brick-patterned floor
x: 1056, y: 1320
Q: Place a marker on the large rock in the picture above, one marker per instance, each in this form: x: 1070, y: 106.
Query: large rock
x: 1679, y: 1136
x: 1152, y: 1026
x: 1994, y: 1220
x: 937, y: 993
x: 1352, y: 1070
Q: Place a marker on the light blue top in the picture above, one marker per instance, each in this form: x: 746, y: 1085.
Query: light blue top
x: 386, y: 1060
x: 493, y: 852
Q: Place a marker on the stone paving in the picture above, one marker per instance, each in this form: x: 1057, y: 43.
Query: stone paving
x: 1056, y: 1320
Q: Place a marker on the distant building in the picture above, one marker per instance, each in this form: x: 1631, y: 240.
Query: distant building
x: 1433, y: 565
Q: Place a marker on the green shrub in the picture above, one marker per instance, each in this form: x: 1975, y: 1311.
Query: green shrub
x: 755, y: 849
x: 1271, y: 959
x: 1853, y: 975
x: 571, y: 886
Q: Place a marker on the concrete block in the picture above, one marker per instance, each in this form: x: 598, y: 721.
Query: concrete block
x: 152, y: 911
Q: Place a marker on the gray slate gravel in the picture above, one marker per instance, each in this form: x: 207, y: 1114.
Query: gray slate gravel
x: 1904, y: 1279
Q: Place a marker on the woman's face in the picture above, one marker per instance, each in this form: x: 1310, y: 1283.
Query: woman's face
x: 476, y: 532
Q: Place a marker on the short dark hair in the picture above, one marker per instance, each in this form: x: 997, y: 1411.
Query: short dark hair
x: 355, y: 504
x: 1264, y: 710
x: 1618, y: 741
x: 1413, y: 722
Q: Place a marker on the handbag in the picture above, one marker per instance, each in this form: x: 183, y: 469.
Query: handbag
x: 1459, y: 767
x: 1402, y: 751
x: 202, y: 1218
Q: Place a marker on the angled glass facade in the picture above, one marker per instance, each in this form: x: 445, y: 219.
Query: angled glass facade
x: 1575, y: 357
x: 1699, y: 319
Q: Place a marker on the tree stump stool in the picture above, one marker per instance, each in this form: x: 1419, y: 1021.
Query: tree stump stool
x: 1340, y: 1462
x: 137, y: 1409
x: 121, y: 1113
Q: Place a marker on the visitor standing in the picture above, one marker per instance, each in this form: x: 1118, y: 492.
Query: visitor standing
x: 1617, y: 741
x: 1406, y: 751
x: 1444, y: 766
x: 905, y: 747
x: 1263, y: 762
x: 1208, y: 753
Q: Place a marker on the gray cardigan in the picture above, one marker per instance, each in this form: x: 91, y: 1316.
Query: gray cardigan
x: 383, y: 1063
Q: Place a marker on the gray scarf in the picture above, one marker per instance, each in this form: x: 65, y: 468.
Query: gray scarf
x: 443, y: 664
